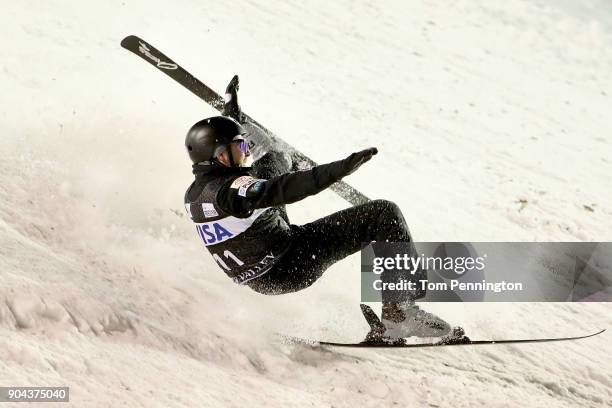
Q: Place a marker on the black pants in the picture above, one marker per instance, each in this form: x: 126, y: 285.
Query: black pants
x: 317, y: 245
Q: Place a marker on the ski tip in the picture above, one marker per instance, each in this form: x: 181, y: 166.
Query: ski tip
x: 129, y: 39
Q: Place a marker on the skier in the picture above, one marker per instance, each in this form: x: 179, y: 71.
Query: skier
x: 240, y: 216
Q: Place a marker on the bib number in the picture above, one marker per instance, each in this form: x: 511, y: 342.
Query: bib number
x: 228, y: 255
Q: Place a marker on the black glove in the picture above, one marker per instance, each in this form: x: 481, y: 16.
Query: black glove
x: 355, y: 160
x: 231, y: 107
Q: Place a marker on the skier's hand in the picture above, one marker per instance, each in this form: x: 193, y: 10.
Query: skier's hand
x: 233, y: 86
x: 355, y: 160
x: 231, y: 107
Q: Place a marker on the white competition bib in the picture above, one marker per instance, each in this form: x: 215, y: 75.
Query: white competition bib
x: 214, y: 232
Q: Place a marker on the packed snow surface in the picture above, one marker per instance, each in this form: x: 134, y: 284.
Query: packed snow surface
x: 493, y: 124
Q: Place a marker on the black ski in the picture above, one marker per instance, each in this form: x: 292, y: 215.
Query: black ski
x: 404, y: 344
x: 158, y: 59
x: 376, y: 339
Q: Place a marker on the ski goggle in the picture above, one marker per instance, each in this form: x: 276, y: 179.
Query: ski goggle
x: 242, y: 145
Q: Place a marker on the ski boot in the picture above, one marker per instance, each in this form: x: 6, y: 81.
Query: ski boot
x: 407, y: 320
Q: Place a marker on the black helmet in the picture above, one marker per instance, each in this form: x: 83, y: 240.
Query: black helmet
x: 209, y: 137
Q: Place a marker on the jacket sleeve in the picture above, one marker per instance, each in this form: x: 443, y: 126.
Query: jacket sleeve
x: 291, y: 187
x: 243, y: 194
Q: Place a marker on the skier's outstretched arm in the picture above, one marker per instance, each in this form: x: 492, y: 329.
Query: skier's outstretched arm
x: 251, y: 193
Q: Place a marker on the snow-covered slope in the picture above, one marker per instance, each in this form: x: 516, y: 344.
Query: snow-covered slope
x: 492, y: 120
